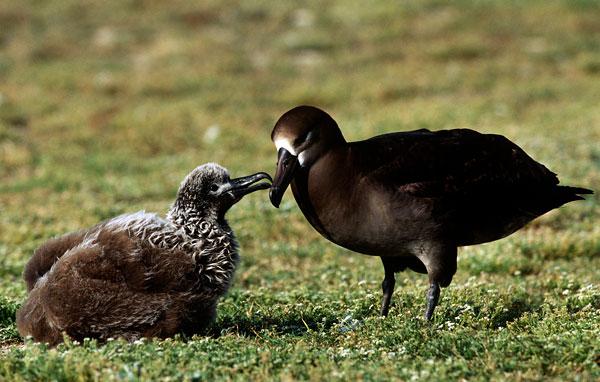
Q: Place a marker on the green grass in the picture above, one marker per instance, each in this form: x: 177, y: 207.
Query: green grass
x: 105, y: 106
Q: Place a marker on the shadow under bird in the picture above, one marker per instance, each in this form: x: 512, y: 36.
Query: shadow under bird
x: 410, y: 197
x: 139, y: 275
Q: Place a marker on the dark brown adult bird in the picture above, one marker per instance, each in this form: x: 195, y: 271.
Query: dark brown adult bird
x: 410, y: 197
x: 139, y: 275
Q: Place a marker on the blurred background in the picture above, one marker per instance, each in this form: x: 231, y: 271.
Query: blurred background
x: 105, y: 106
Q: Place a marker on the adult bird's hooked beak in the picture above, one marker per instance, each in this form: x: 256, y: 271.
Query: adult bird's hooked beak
x: 239, y: 187
x: 287, y: 163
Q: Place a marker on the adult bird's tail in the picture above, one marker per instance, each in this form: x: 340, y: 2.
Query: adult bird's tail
x: 543, y: 202
x: 569, y: 194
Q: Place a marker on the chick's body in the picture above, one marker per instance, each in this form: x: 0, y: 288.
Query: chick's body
x: 138, y: 275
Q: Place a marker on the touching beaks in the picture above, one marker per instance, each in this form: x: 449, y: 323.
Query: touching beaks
x: 239, y: 187
x: 286, y: 168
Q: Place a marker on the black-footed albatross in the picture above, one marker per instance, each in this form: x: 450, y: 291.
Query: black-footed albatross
x: 139, y: 275
x: 410, y: 197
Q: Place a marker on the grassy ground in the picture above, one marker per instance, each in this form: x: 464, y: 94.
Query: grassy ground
x: 104, y: 109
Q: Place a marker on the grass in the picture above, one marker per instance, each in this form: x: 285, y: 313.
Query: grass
x: 105, y: 106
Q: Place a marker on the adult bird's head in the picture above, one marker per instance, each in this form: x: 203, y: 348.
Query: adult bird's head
x: 301, y: 136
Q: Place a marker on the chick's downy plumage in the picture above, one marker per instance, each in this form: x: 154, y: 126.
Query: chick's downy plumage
x: 139, y: 275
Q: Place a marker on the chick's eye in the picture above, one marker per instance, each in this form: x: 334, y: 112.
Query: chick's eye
x: 214, y: 187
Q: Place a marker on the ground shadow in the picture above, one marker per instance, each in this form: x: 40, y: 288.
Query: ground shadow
x: 294, y: 324
x: 515, y: 310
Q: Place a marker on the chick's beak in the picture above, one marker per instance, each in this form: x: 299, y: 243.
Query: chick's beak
x: 286, y: 168
x: 239, y: 187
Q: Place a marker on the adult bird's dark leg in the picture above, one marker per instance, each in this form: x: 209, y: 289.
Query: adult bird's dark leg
x: 433, y: 297
x: 441, y: 267
x: 387, y: 285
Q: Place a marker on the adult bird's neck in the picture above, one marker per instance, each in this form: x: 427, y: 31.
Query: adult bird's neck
x: 317, y: 189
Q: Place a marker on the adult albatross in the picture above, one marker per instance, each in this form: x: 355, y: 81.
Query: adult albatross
x: 410, y: 197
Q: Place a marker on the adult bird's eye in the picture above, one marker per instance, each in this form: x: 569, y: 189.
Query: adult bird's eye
x: 214, y: 187
x: 303, y: 138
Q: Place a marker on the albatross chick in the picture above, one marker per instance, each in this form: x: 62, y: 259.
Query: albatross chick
x: 139, y: 275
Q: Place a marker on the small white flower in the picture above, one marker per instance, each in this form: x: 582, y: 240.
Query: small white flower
x: 211, y: 134
x: 303, y: 18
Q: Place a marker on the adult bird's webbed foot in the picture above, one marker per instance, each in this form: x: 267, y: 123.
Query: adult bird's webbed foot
x: 433, y: 297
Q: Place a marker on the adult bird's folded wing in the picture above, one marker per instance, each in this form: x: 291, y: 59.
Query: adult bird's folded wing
x: 455, y: 162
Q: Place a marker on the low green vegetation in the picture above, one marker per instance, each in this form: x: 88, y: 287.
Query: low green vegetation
x: 105, y: 106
